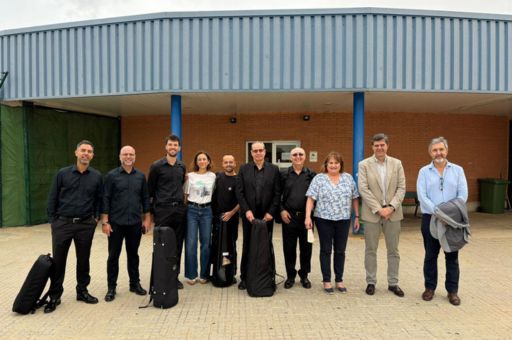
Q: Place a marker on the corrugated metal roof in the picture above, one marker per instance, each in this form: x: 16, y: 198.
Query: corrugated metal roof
x: 310, y: 50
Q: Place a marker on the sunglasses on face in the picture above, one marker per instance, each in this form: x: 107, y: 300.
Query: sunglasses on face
x: 297, y: 154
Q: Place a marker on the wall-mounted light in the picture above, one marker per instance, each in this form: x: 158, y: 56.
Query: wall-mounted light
x: 232, y: 120
x: 306, y: 117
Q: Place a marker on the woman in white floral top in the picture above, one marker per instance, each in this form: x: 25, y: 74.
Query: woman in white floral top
x: 335, y: 194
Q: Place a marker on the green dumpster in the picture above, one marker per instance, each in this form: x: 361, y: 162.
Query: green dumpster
x: 492, y: 195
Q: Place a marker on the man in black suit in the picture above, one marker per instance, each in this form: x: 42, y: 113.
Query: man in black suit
x: 258, y: 193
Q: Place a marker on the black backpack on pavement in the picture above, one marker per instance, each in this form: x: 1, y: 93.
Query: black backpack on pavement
x: 29, y: 298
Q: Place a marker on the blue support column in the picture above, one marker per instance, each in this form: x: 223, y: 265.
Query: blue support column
x: 176, y: 118
x: 358, y: 136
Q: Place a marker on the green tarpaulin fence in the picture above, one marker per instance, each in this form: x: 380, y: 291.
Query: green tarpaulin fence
x: 35, y: 143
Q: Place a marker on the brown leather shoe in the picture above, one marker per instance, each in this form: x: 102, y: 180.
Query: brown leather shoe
x: 428, y: 294
x: 454, y: 299
x: 396, y: 290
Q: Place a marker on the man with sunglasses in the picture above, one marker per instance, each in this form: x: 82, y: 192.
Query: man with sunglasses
x: 438, y: 182
x: 258, y: 193
x: 295, y: 182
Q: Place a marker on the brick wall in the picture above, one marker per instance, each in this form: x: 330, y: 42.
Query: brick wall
x: 479, y: 143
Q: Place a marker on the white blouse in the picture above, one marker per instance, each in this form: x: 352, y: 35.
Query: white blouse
x: 199, y: 187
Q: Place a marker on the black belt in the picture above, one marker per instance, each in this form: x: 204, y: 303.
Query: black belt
x: 297, y: 213
x: 170, y: 204
x: 204, y: 205
x: 387, y: 205
x: 74, y: 220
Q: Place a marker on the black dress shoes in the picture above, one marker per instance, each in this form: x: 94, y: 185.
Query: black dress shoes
x: 111, y: 295
x: 51, y: 306
x: 179, y: 284
x: 370, y: 289
x: 289, y: 283
x: 137, y: 289
x: 241, y: 285
x: 305, y: 283
x: 396, y: 290
x: 86, y: 297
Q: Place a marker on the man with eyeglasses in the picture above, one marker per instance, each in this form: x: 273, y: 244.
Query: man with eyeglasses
x: 258, y: 193
x: 438, y: 182
x: 125, y: 217
x: 382, y: 188
x: 295, y: 182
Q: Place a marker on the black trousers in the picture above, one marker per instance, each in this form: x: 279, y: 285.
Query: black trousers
x: 132, y: 235
x: 63, y: 232
x: 292, y: 232
x: 246, y: 231
x: 176, y: 218
x: 332, y: 235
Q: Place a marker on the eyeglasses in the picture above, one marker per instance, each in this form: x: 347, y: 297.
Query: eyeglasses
x: 441, y: 181
x: 258, y: 150
x: 297, y: 154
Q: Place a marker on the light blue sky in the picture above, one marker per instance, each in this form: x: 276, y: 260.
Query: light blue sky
x: 26, y: 13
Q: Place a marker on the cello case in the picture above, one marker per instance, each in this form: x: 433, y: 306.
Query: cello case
x: 164, y: 268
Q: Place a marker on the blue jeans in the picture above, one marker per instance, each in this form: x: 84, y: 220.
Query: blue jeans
x: 332, y: 234
x: 198, y: 219
x: 432, y: 248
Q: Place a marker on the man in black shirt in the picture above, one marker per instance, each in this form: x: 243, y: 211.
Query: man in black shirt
x: 224, y: 203
x: 125, y: 196
x: 74, y: 205
x: 165, y: 186
x: 258, y: 193
x: 295, y: 183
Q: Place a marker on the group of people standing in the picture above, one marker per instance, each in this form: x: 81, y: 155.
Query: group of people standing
x: 192, y: 203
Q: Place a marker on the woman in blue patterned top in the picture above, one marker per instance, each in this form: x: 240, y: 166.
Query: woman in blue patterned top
x: 335, y: 194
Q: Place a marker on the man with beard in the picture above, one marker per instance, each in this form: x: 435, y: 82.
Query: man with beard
x: 438, y: 182
x: 258, y: 193
x: 125, y: 197
x: 224, y: 203
x: 74, y: 205
x: 165, y: 187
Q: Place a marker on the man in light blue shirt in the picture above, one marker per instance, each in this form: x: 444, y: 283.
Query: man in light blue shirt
x: 439, y: 182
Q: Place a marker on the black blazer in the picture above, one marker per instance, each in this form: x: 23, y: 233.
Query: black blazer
x: 246, y: 191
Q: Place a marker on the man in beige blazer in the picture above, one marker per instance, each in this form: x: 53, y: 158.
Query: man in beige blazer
x: 382, y: 189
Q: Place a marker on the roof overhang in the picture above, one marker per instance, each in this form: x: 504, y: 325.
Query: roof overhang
x: 286, y: 102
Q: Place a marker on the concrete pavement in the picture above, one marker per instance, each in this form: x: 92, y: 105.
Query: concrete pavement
x: 206, y: 312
